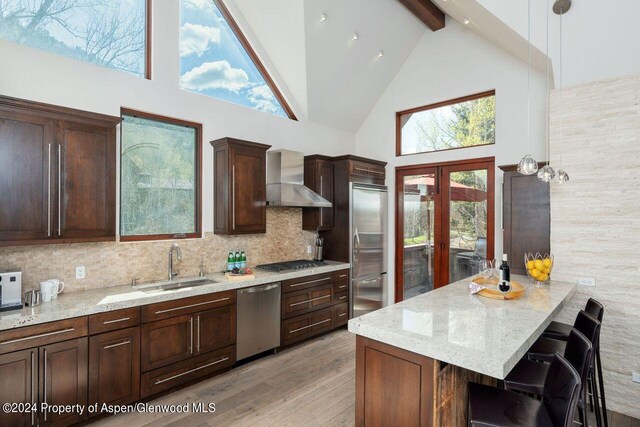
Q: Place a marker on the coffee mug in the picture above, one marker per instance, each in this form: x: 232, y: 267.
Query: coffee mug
x: 49, y: 289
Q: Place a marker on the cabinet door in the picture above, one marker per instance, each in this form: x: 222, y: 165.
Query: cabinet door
x: 306, y: 300
x: 166, y: 341
x: 325, y: 189
x: 26, y: 145
x: 18, y: 378
x: 248, y: 190
x: 114, y: 367
x: 63, y: 380
x: 215, y: 328
x: 86, y: 167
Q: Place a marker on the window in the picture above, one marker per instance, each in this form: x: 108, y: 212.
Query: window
x: 458, y: 123
x: 216, y: 60
x: 108, y: 33
x: 160, y: 177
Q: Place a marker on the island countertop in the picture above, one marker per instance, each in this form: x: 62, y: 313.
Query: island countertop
x: 83, y: 303
x: 476, y: 333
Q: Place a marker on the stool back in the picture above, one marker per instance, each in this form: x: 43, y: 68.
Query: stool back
x: 589, y: 327
x: 595, y: 309
x: 561, y: 392
x: 579, y: 352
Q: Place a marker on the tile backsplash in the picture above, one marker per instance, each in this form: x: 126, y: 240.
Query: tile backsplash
x: 116, y: 263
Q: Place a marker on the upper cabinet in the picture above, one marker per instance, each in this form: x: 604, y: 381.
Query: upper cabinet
x: 57, y: 174
x: 240, y: 187
x: 318, y: 176
x: 360, y: 169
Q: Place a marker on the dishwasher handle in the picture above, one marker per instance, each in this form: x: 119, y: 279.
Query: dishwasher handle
x: 255, y: 289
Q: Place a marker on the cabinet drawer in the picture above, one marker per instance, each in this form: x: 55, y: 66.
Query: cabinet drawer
x: 341, y: 297
x: 305, y: 326
x: 305, y: 282
x: 164, y: 310
x: 340, y: 314
x: 179, y: 373
x: 340, y: 281
x: 367, y: 169
x: 166, y: 341
x: 114, y: 320
x: 46, y: 333
x: 295, y: 303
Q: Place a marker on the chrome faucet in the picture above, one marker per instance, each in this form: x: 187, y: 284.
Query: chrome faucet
x: 175, y: 246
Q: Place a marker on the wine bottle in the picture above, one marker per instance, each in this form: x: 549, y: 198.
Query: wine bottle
x: 504, y: 285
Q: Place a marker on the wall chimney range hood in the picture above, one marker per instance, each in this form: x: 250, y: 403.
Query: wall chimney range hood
x: 285, y: 182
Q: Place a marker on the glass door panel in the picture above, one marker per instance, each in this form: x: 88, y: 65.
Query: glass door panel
x: 418, y: 239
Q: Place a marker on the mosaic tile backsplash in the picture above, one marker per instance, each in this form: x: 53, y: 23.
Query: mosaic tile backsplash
x: 116, y: 263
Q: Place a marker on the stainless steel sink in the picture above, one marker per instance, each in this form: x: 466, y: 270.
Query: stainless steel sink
x: 174, y: 284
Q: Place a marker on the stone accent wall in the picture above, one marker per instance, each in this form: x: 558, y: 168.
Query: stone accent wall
x: 595, y: 218
x: 116, y: 263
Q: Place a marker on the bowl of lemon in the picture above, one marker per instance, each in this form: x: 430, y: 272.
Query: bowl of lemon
x: 538, y: 267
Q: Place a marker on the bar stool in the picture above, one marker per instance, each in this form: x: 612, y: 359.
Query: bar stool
x: 529, y: 376
x: 544, y: 349
x: 560, y: 331
x: 491, y: 406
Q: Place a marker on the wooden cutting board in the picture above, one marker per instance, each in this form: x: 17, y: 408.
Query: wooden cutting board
x: 517, y: 289
x: 239, y: 277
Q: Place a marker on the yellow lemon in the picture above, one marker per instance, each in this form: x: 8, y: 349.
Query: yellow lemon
x: 543, y: 277
x: 547, y: 270
x: 530, y: 264
x: 538, y: 264
x: 547, y: 262
x: 534, y: 273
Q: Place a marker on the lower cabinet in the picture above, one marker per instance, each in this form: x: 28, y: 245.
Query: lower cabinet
x: 166, y: 341
x: 114, y: 367
x: 19, y: 385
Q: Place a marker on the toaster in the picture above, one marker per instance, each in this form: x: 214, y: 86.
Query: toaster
x: 10, y: 290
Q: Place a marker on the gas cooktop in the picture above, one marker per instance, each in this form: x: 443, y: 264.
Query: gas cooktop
x: 298, y: 264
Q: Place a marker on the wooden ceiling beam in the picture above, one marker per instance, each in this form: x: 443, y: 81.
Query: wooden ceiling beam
x: 427, y: 12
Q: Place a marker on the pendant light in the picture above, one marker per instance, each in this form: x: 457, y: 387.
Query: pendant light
x: 528, y: 165
x: 546, y: 173
x: 560, y: 7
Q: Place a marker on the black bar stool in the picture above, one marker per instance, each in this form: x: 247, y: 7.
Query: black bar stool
x: 529, y: 376
x: 544, y: 349
x: 560, y: 331
x: 491, y: 406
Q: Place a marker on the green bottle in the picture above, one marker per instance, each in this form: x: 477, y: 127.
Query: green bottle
x: 243, y: 260
x: 237, y: 259
x: 231, y: 261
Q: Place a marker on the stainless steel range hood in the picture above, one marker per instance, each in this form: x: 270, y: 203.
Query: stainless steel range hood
x: 285, y: 182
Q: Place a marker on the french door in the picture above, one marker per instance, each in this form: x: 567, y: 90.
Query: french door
x: 445, y: 223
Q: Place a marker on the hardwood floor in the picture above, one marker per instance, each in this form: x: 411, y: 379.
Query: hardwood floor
x: 310, y: 385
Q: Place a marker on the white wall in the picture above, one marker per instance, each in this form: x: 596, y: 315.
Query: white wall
x: 41, y: 76
x: 447, y: 64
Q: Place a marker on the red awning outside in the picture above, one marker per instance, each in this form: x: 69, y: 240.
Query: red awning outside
x: 459, y: 192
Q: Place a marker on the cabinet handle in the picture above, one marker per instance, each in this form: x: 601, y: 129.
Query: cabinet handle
x: 224, y: 359
x: 48, y: 200
x: 342, y: 314
x: 310, y: 281
x: 321, y: 209
x: 310, y: 326
x: 191, y: 339
x: 309, y: 300
x: 37, y: 336
x: 168, y: 310
x: 233, y: 197
x: 361, y: 169
x: 342, y: 275
x: 343, y: 297
x: 44, y: 400
x: 375, y: 172
x: 33, y: 375
x: 59, y: 186
x: 198, y: 341
x: 117, y: 345
x: 124, y: 319
x: 342, y: 287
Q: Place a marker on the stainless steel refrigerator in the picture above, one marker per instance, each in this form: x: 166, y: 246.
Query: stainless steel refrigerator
x: 367, y: 247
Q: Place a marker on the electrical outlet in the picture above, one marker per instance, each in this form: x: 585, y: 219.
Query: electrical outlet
x: 587, y: 281
x: 309, y: 249
x: 635, y: 377
x: 80, y: 272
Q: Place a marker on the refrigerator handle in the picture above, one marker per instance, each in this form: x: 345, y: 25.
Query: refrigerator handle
x: 356, y: 246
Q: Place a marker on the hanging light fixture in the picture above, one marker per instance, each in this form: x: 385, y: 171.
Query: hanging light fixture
x: 528, y: 165
x: 560, y: 7
x: 546, y: 173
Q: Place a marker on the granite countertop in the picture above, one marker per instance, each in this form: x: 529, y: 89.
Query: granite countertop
x: 82, y: 303
x: 476, y: 333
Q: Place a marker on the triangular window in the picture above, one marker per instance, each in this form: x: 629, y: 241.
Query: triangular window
x: 216, y: 59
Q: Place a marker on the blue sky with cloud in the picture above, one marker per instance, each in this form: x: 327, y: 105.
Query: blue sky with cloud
x: 214, y: 63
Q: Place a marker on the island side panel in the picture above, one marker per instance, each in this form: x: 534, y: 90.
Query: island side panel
x: 393, y: 386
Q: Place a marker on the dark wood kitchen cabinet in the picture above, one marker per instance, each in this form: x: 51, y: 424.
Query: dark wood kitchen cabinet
x: 114, y: 367
x: 240, y: 193
x: 19, y: 376
x: 318, y: 176
x: 57, y: 174
x: 166, y: 341
x: 526, y: 217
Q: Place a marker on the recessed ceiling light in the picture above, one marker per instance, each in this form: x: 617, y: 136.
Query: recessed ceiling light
x: 466, y: 21
x: 355, y: 36
x: 323, y: 17
x: 380, y: 54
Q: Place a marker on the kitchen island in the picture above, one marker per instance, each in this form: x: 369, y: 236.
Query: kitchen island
x: 415, y: 358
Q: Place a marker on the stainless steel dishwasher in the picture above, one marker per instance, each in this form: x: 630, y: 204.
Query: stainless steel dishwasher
x: 258, y: 319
